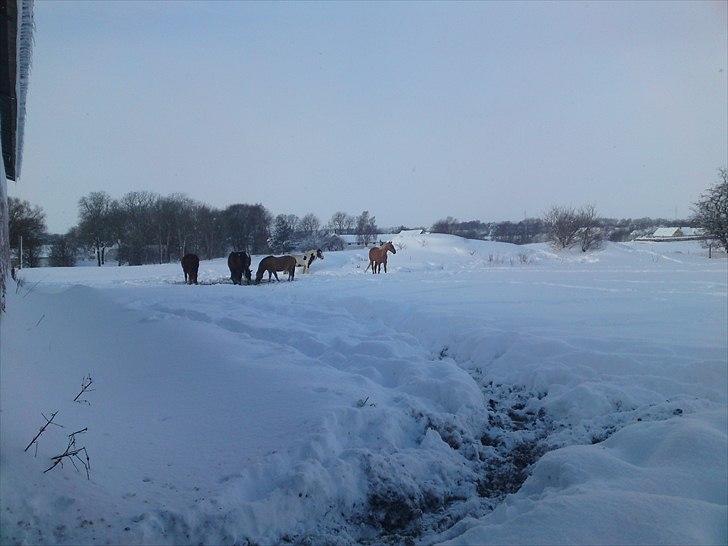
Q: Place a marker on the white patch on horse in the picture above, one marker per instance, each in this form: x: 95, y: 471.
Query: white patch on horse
x: 306, y: 259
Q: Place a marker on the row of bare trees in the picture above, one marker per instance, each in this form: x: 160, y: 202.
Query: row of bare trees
x: 289, y: 231
x: 146, y: 227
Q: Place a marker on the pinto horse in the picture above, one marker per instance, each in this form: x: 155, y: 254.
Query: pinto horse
x: 273, y: 264
x: 239, y: 264
x: 378, y: 256
x: 306, y: 259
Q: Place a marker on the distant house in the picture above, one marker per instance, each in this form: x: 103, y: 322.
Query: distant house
x: 692, y: 232
x: 354, y: 241
x: 44, y: 256
x: 411, y: 232
x: 673, y: 234
x: 670, y: 232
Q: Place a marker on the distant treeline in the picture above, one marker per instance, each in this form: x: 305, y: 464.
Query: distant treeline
x: 538, y: 230
x: 143, y: 227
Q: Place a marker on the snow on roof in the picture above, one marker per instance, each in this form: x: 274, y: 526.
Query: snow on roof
x: 16, y: 48
x: 409, y: 232
x: 691, y: 232
x: 667, y: 232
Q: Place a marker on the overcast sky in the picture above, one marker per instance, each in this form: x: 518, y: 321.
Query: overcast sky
x: 412, y: 111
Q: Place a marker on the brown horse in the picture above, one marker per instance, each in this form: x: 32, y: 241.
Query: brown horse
x: 378, y: 256
x: 273, y: 264
x: 190, y: 265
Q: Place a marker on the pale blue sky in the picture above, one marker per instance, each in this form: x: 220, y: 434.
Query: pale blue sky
x: 413, y: 111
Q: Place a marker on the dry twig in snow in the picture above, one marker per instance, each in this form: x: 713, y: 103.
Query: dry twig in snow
x: 72, y: 453
x: 42, y: 430
x: 85, y: 384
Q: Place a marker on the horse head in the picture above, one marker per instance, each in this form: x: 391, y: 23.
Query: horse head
x: 389, y: 246
x: 319, y: 254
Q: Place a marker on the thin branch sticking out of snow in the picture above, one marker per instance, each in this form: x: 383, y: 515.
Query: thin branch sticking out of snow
x: 49, y: 421
x: 72, y: 453
x: 86, y: 382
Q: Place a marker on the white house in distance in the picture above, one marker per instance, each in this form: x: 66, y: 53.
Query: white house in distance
x: 670, y: 232
x: 354, y: 241
x: 674, y: 234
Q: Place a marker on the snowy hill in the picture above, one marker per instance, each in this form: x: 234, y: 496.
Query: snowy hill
x: 479, y: 392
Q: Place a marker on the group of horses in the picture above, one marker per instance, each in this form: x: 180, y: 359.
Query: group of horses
x: 239, y: 264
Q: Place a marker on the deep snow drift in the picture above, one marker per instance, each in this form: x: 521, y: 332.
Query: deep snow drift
x: 477, y: 393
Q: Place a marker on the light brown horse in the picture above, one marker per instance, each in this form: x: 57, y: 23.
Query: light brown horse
x: 378, y: 256
x: 273, y: 264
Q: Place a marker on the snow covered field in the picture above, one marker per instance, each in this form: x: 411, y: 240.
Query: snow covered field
x: 477, y: 393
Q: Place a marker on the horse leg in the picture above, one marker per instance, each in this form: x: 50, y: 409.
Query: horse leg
x: 276, y: 275
x: 385, y: 266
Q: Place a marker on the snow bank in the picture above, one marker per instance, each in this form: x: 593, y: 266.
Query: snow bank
x: 349, y: 407
x: 644, y: 485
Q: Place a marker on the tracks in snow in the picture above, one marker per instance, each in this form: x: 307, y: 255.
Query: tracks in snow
x: 443, y: 462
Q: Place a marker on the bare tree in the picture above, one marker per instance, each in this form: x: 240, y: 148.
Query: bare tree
x: 209, y: 231
x: 590, y: 230
x: 446, y: 225
x: 165, y: 213
x: 283, y: 233
x: 26, y: 221
x: 366, y: 227
x: 309, y: 225
x: 247, y: 227
x: 94, y: 226
x: 63, y: 250
x: 341, y: 223
x: 711, y: 210
x: 184, y: 221
x: 117, y: 228
x: 563, y: 225
x: 136, y: 214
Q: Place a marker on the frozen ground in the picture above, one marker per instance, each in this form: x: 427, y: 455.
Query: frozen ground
x: 478, y: 393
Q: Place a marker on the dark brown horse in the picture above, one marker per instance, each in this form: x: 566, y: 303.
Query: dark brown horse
x: 190, y: 265
x: 239, y: 264
x: 273, y: 264
x: 378, y: 256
